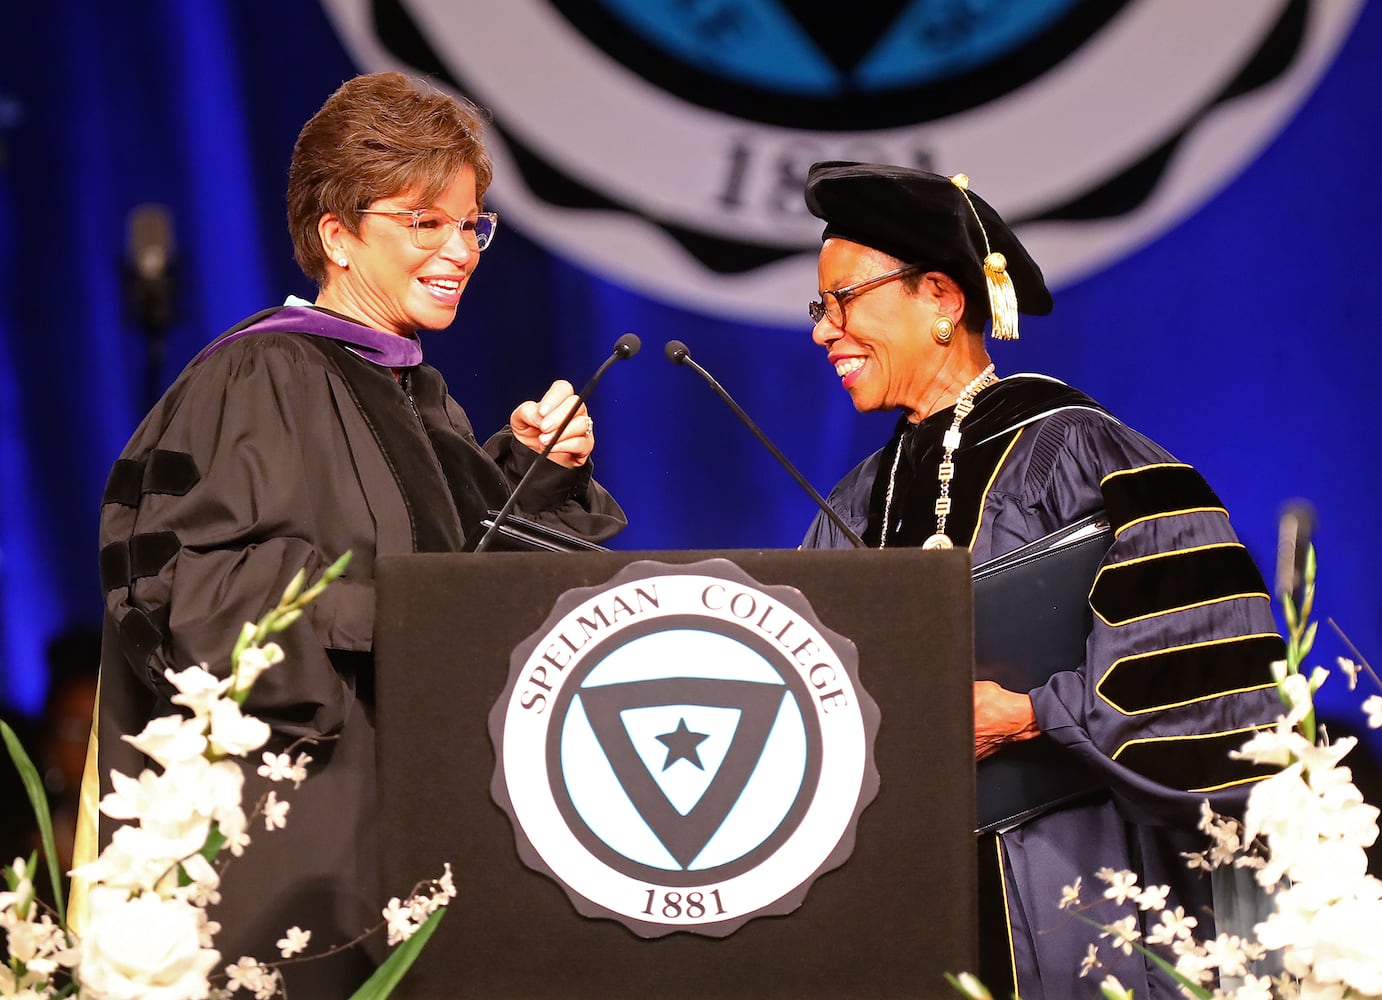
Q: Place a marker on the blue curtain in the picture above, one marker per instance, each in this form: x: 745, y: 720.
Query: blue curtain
x: 1245, y: 339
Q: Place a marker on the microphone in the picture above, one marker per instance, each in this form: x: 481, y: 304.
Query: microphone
x: 1294, y: 530
x: 149, y: 253
x: 149, y: 265
x: 625, y: 347
x: 679, y: 354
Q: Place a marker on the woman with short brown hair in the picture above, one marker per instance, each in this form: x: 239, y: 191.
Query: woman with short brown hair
x: 305, y: 431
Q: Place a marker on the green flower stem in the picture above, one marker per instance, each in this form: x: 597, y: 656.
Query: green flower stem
x: 1300, y: 635
x: 283, y: 614
x: 33, y: 785
x: 1188, y: 986
x: 388, y: 975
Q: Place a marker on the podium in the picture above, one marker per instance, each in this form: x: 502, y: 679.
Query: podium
x: 888, y: 922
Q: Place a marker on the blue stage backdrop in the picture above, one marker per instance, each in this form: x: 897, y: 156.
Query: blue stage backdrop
x: 1221, y: 296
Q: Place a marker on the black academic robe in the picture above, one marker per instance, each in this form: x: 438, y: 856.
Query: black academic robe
x: 1176, y: 672
x: 278, y: 452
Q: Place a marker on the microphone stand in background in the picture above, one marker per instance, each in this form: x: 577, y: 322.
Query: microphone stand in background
x: 679, y: 354
x: 150, y: 262
x: 1295, y: 528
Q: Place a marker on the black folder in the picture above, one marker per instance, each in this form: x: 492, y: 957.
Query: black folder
x: 521, y: 534
x: 1031, y: 619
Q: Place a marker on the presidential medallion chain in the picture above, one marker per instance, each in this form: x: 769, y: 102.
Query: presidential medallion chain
x: 964, y: 403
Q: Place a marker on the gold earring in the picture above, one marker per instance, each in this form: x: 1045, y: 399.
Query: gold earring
x: 942, y: 330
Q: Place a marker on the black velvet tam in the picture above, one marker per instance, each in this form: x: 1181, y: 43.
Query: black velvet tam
x: 922, y: 218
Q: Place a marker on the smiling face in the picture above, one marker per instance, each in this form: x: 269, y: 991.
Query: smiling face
x: 884, y: 354
x: 390, y: 284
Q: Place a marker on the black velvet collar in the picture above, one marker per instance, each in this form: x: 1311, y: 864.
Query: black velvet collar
x: 999, y: 411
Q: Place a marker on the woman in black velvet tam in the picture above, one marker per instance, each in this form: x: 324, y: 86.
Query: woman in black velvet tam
x: 303, y: 432
x: 1175, y: 671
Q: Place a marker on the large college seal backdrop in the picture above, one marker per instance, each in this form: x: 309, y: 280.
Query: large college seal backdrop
x: 666, y: 144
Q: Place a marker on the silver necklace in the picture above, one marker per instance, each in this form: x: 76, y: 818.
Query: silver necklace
x: 964, y: 403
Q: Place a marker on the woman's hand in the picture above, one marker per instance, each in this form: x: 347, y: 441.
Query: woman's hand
x: 534, y: 424
x: 1000, y: 716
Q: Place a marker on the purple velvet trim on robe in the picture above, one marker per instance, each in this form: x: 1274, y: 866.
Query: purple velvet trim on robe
x: 387, y: 350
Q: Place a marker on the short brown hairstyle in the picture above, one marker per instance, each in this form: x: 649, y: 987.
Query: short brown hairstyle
x: 376, y: 136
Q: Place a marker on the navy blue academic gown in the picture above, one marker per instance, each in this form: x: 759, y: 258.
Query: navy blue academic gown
x: 1176, y: 670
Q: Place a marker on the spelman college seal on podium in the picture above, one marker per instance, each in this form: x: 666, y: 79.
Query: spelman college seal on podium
x: 684, y: 749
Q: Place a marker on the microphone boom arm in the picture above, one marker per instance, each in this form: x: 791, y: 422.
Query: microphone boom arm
x: 625, y: 347
x: 678, y: 354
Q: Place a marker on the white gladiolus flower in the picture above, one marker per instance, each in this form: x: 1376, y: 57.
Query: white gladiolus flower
x: 1346, y: 947
x: 124, y: 864
x: 1304, y: 836
x: 170, y: 826
x: 28, y: 941
x: 253, y: 661
x: 204, y: 880
x: 145, y: 948
x: 129, y: 796
x: 971, y: 987
x: 233, y: 732
x: 1112, y: 989
x: 198, y: 688
x: 1297, y: 692
x: 1270, y: 746
x: 1324, y: 756
x: 171, y: 739
x: 147, y: 935
x: 23, y: 891
x: 246, y: 636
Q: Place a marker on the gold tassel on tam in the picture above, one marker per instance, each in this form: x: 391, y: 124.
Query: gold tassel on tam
x: 1002, y: 295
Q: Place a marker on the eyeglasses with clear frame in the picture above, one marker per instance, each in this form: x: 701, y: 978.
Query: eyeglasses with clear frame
x: 831, y: 304
x: 431, y: 227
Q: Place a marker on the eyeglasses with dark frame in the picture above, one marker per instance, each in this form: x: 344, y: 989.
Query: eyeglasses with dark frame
x: 431, y: 227
x: 831, y: 304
